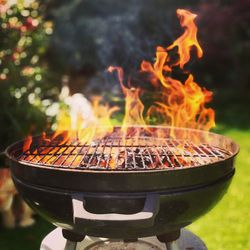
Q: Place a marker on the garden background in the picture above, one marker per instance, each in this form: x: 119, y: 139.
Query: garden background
x: 45, y: 44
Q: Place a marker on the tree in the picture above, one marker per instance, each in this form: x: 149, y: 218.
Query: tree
x: 27, y: 86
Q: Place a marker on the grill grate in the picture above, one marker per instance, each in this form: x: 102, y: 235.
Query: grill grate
x: 115, y: 153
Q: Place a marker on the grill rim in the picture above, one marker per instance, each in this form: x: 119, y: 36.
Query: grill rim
x: 127, y: 171
x: 121, y: 182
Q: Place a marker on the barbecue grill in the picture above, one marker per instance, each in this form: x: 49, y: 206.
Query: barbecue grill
x: 154, y: 181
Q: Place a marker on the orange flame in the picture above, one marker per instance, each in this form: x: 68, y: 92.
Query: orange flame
x: 85, y: 131
x: 178, y: 104
x: 133, y: 105
x: 27, y: 143
x: 188, y: 39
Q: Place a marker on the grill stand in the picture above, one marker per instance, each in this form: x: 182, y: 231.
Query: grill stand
x: 170, y: 240
x: 187, y: 240
x: 172, y: 246
x: 70, y: 245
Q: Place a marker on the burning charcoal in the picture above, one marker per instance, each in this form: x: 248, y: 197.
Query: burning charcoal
x: 93, y: 161
x: 144, y: 151
x: 182, y: 161
x: 147, y: 161
x: 169, y: 152
x: 138, y: 162
x: 102, y: 163
x: 121, y: 162
x: 165, y: 161
x: 160, y: 151
x: 137, y: 150
x: 130, y: 161
x: 86, y: 158
x: 93, y: 144
x: 176, y: 163
x: 112, y: 163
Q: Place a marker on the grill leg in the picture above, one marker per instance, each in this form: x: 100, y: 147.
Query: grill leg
x: 72, y: 239
x: 170, y: 239
x: 71, y: 236
x: 70, y: 245
x: 172, y: 245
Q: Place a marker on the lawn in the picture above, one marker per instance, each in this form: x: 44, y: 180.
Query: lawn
x: 226, y: 227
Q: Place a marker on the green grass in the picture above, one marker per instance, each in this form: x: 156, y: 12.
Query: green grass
x: 24, y: 238
x: 226, y: 227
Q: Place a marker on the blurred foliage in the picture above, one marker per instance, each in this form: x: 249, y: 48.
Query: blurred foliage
x: 27, y: 86
x: 224, y: 33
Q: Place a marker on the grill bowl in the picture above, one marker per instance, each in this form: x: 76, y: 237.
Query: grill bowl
x: 132, y: 180
x: 149, y: 201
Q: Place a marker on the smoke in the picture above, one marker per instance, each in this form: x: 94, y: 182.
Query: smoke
x: 110, y: 32
x: 91, y: 35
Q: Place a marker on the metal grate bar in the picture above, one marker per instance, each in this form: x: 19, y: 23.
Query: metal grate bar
x: 92, y: 155
x: 77, y: 154
x: 196, y: 154
x: 109, y: 155
x: 167, y: 158
x: 60, y: 151
x: 192, y: 153
x: 124, y: 154
x: 171, y: 153
x: 143, y: 160
x: 117, y: 163
x: 150, y: 158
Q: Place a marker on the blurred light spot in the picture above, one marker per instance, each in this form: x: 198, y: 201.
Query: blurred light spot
x: 49, y: 31
x: 13, y: 21
x: 23, y: 54
x: 6, y: 70
x: 3, y: 76
x: 52, y: 110
x: 34, y: 13
x: 38, y: 91
x: 31, y: 98
x: 23, y: 90
x: 17, y: 62
x: 17, y: 94
x: 38, y: 77
x: 46, y: 102
x: 21, y: 42
x: 25, y: 13
x: 4, y: 25
x: 9, y: 11
x: 34, y: 59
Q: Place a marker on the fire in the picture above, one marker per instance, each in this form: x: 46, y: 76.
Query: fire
x: 85, y: 128
x: 180, y: 104
x: 188, y: 39
x: 133, y: 105
x: 176, y: 103
x: 27, y: 143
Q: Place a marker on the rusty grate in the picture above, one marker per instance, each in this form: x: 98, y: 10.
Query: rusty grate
x: 115, y: 153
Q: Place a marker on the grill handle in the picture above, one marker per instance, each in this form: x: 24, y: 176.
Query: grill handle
x: 143, y: 218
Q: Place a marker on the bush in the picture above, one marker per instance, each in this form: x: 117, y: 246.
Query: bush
x: 27, y: 86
